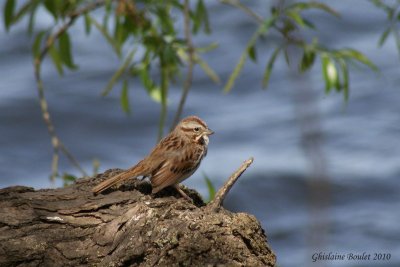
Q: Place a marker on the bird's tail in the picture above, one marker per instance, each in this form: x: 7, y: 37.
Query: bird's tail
x: 115, y: 180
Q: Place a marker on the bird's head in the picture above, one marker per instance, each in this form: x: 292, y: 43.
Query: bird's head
x: 195, y: 128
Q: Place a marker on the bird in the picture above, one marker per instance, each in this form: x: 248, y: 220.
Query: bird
x: 175, y: 158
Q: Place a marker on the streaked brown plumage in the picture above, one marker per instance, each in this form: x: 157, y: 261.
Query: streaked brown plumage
x: 175, y: 158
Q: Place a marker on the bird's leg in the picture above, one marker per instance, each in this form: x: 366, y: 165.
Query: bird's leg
x: 182, y: 193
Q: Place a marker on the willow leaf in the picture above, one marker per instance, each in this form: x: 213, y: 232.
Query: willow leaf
x: 345, y: 77
x: 107, y: 36
x: 37, y: 44
x: 269, y: 67
x: 65, y: 50
x: 262, y: 29
x: 208, y: 70
x: 9, y: 13
x: 117, y: 75
x: 55, y: 56
x: 88, y: 23
x: 358, y: 56
x: 125, y: 98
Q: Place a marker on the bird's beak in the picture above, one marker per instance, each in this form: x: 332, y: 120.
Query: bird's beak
x: 209, y: 132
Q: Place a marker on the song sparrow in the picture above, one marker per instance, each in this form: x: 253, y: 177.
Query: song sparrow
x: 175, y: 158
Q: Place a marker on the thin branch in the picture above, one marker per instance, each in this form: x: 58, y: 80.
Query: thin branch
x: 189, y: 78
x: 237, y: 4
x: 164, y: 93
x: 216, y: 203
x: 55, y: 140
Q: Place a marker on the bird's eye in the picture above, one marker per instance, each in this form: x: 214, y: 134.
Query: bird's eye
x: 196, y: 129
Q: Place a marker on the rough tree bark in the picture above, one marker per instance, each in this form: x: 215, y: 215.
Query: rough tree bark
x: 125, y: 227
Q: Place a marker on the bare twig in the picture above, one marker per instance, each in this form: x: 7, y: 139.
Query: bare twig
x: 55, y: 140
x: 189, y: 78
x: 216, y: 203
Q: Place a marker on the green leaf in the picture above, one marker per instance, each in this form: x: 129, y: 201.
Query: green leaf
x: 144, y: 74
x: 325, y: 8
x: 207, y: 69
x: 31, y: 22
x: 68, y: 179
x: 316, y: 5
x: 37, y: 44
x: 324, y: 62
x: 53, y: 6
x: 337, y: 84
x: 88, y: 24
x: 145, y: 77
x: 236, y: 71
x: 197, y: 59
x: 117, y: 75
x: 210, y: 187
x: 65, y: 50
x: 382, y: 5
x: 9, y: 8
x: 164, y: 88
x: 309, y: 24
x: 125, y: 98
x: 207, y: 48
x: 345, y: 77
x: 55, y: 56
x: 266, y: 25
x: 252, y: 53
x: 144, y: 71
x: 269, y: 67
x: 200, y: 17
x: 195, y: 15
x: 207, y: 28
x: 287, y: 59
x: 164, y: 18
x: 384, y: 36
x: 107, y: 36
x: 120, y: 32
x: 307, y: 60
x: 156, y: 94
x: 262, y: 29
x: 22, y: 11
x: 329, y: 72
x: 169, y: 57
x: 358, y: 56
x: 297, y: 18
x: 107, y: 9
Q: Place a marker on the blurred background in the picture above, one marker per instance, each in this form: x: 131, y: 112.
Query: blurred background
x: 325, y: 176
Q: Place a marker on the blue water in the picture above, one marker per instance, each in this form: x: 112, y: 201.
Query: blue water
x: 360, y: 140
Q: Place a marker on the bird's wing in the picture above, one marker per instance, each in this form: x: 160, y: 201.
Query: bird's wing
x: 173, y: 170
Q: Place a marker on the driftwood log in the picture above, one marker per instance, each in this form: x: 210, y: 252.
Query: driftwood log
x: 126, y: 227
